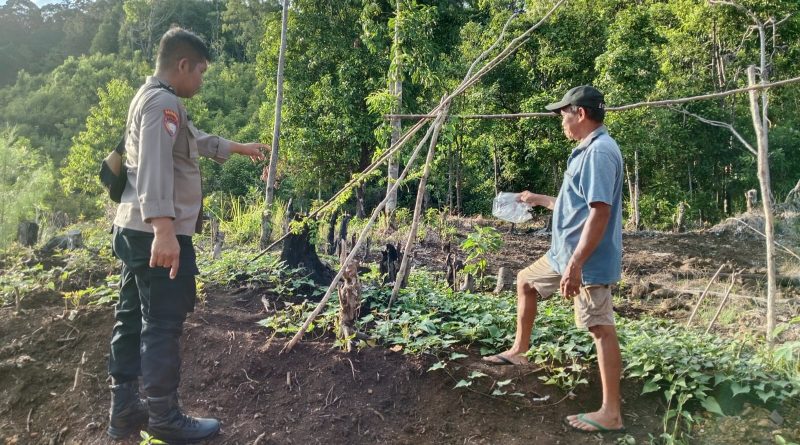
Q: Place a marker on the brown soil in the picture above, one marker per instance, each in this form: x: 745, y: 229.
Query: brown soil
x: 318, y: 394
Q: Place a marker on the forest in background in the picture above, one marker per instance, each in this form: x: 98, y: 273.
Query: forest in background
x: 69, y: 70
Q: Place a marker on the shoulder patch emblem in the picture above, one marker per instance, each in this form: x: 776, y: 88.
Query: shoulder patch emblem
x: 170, y: 122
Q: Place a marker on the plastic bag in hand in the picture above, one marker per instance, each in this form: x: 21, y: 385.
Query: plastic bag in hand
x: 508, y: 208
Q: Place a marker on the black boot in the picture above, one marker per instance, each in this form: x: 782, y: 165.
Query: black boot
x: 170, y: 424
x: 127, y: 414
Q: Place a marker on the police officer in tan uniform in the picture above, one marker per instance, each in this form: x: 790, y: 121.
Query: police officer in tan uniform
x: 153, y: 228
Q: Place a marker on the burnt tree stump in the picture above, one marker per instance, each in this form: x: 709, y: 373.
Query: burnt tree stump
x: 452, y: 266
x: 28, y: 233
x: 331, y: 237
x: 390, y: 263
x: 299, y: 252
x: 349, y: 297
x: 504, y: 280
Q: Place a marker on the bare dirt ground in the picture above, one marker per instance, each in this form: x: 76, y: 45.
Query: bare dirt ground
x: 53, y: 388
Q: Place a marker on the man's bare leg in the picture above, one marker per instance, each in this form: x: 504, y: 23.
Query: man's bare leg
x: 526, y: 314
x: 609, y: 360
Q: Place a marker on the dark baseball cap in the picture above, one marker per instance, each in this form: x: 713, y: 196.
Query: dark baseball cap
x: 582, y: 96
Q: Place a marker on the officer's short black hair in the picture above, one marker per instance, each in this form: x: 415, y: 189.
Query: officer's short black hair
x: 177, y: 44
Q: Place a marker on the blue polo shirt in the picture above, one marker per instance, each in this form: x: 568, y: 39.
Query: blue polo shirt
x: 594, y: 174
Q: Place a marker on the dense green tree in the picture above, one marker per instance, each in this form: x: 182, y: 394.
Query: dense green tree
x: 104, y: 128
x: 25, y: 180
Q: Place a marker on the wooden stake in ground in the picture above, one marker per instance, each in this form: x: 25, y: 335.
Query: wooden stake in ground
x: 378, y: 209
x: 402, y: 274
x: 349, y: 297
x: 702, y: 296
x: 722, y: 303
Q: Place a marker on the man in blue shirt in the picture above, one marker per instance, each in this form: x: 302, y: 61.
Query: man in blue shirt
x: 586, y: 252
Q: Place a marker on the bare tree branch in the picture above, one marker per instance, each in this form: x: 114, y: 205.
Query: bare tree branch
x: 656, y: 103
x: 719, y: 124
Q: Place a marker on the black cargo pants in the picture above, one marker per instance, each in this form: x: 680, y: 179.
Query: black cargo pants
x: 150, y: 313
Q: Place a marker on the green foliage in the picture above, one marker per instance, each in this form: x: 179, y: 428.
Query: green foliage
x: 239, y: 216
x: 481, y: 242
x: 104, y: 129
x: 26, y: 179
x: 147, y: 439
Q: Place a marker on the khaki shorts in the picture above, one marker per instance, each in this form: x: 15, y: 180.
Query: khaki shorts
x: 593, y: 305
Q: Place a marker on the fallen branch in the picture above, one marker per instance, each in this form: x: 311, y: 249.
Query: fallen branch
x: 722, y: 303
x: 78, y: 370
x: 703, y: 295
x: 762, y: 234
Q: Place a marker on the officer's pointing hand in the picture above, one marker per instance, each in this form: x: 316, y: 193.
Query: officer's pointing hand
x: 253, y: 150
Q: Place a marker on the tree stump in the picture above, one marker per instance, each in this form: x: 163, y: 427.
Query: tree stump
x: 332, y: 245
x: 452, y: 266
x: 504, y: 279
x: 752, y: 199
x: 28, y: 233
x: 219, y: 241
x: 680, y: 218
x: 390, y: 263
x: 342, y: 236
x: 71, y: 241
x: 469, y: 284
x: 299, y: 252
x: 349, y: 297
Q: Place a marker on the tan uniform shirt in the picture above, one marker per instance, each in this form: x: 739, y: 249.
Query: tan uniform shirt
x: 163, y: 150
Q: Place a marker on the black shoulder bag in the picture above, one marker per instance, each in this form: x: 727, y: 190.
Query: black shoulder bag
x: 113, y: 174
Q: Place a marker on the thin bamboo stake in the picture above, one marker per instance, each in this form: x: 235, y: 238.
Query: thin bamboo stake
x: 657, y: 103
x: 722, y: 303
x: 361, y: 237
x: 703, y: 295
x: 412, y: 234
x: 269, y: 194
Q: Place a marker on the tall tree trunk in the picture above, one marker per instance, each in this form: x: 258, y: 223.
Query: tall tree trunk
x: 396, y: 89
x: 266, y: 230
x: 634, y: 223
x: 450, y: 159
x: 496, y: 170
x: 458, y: 175
x: 760, y: 125
x: 363, y: 163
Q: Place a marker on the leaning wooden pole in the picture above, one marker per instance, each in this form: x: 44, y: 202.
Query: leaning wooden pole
x: 412, y: 234
x: 356, y: 246
x: 504, y: 54
x: 269, y: 195
x: 760, y: 128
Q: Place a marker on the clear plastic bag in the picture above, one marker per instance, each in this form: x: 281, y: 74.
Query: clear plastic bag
x: 506, y: 207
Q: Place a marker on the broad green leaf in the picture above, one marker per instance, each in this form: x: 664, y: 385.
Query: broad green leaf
x: 737, y: 388
x: 650, y: 386
x: 463, y: 384
x: 711, y: 405
x: 437, y: 365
